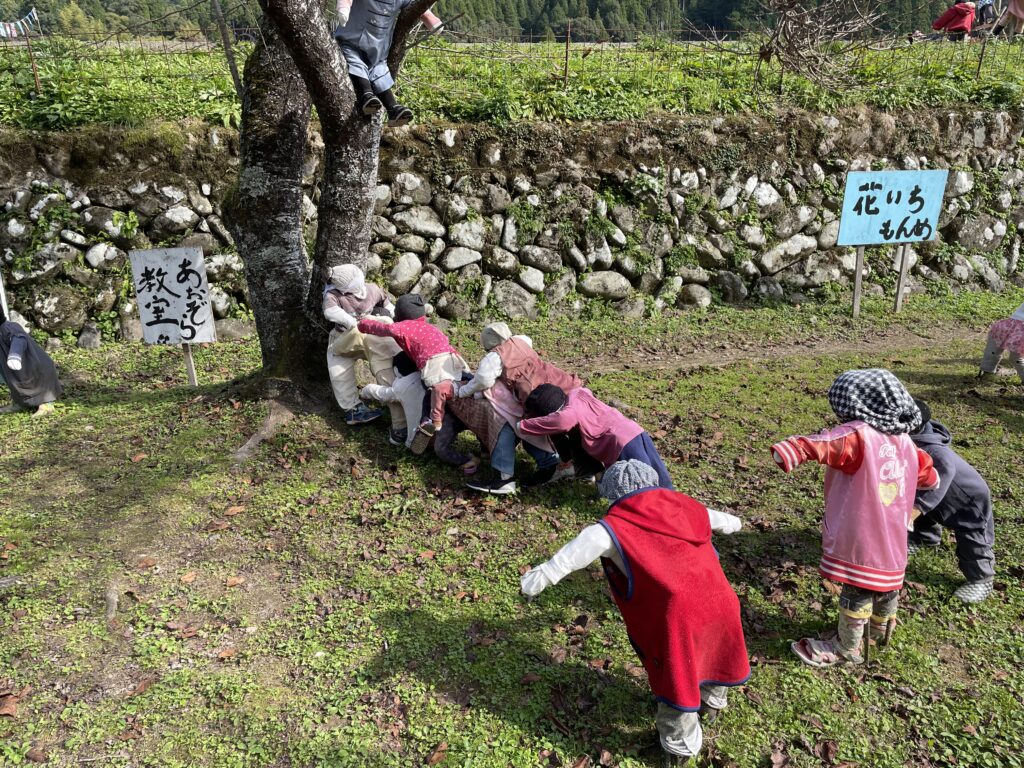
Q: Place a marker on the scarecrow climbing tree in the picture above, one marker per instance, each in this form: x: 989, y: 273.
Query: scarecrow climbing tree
x: 297, y: 64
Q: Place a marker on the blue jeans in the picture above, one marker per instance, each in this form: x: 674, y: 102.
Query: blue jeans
x: 503, y: 457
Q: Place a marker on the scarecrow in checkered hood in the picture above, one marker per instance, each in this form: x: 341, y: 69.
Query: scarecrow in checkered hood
x: 874, y: 470
x: 364, y: 32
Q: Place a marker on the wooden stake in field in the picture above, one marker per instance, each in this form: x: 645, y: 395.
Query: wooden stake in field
x: 858, y: 280
x: 901, y: 284
x: 568, y: 41
x: 229, y: 52
x: 190, y: 365
x: 32, y: 58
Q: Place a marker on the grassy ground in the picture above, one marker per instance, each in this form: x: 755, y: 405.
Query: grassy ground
x: 82, y: 83
x: 336, y: 602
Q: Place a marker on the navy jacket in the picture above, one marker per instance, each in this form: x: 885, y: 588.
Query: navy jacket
x: 963, y: 498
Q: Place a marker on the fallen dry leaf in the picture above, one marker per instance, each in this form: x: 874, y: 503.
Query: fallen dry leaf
x: 235, y: 510
x: 606, y: 757
x: 583, y: 762
x: 143, y: 685
x: 217, y: 525
x: 9, y: 700
x: 145, y: 562
x: 188, y: 578
x: 139, y: 457
x: 438, y: 754
x: 427, y: 554
x: 529, y: 677
x: 827, y: 750
x: 234, y: 581
x: 227, y: 653
x: 36, y: 755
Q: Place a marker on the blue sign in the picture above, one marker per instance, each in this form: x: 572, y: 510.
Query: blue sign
x: 882, y: 207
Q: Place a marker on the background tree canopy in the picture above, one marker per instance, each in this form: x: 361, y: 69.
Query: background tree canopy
x: 505, y: 19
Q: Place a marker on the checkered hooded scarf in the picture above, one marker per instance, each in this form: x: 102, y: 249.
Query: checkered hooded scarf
x: 876, y: 397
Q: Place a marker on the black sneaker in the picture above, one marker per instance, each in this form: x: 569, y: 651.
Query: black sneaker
x: 369, y: 105
x: 399, y: 116
x: 540, y: 477
x: 494, y: 485
x: 398, y: 436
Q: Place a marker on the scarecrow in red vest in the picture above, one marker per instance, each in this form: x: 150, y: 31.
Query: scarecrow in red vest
x: 682, y: 616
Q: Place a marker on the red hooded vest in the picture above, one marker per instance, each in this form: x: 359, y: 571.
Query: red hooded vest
x: 522, y: 370
x: 681, y: 614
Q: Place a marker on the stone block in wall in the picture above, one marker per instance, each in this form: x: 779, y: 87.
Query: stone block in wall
x: 420, y: 220
x: 105, y: 256
x: 769, y: 289
x: 219, y: 230
x: 544, y: 259
x: 405, y: 273
x: 45, y: 262
x: 411, y: 243
x: 732, y: 286
x: 694, y: 296
x: 427, y: 286
x: 469, y: 234
x: 513, y: 300
x: 204, y: 240
x: 776, y: 257
x: 983, y: 232
x: 176, y: 220
x: 497, y: 199
x: 411, y: 189
x: 381, y: 198
x: 559, y: 288
x: 500, y: 262
x: 458, y: 257
x: 604, y: 285
x: 531, y: 279
x: 58, y: 308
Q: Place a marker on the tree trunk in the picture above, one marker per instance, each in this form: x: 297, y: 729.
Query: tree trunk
x: 352, y: 141
x: 265, y: 211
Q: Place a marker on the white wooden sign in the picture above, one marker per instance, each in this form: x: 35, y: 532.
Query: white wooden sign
x: 174, y: 299
x: 173, y: 296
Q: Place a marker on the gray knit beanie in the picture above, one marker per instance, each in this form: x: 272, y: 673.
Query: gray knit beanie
x: 624, y: 477
x: 494, y: 334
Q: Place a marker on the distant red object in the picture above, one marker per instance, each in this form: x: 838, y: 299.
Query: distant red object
x: 959, y: 18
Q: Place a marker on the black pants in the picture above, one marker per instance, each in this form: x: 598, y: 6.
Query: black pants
x: 974, y: 543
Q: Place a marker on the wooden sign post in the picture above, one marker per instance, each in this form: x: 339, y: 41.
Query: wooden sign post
x: 890, y: 208
x: 174, y: 299
x: 3, y: 298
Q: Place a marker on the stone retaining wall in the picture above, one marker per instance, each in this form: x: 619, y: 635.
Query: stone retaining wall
x: 527, y: 219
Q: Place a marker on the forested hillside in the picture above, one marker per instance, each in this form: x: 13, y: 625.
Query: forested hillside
x: 591, y: 19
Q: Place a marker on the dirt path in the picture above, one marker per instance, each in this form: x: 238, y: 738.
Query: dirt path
x: 688, y: 355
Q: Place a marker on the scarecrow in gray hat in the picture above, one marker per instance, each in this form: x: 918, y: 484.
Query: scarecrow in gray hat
x: 682, y: 616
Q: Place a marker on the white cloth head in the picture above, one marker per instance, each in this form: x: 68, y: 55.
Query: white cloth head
x: 348, y: 278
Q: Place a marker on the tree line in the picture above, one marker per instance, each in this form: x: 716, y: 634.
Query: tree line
x: 590, y: 20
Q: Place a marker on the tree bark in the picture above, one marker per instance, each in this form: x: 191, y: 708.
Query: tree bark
x: 352, y: 141
x: 264, y: 212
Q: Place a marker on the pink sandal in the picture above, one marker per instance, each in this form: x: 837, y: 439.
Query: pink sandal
x: 820, y: 653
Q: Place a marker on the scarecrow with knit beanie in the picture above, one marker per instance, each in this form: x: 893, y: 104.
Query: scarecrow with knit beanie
x: 439, y: 364
x: 348, y: 298
x: 682, y: 616
x: 873, y: 471
x: 605, y: 434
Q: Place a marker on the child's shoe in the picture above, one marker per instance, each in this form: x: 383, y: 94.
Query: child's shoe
x: 541, y: 476
x: 369, y: 104
x: 498, y: 485
x: 398, y: 436
x: 974, y: 591
x: 424, y: 434
x: 471, y: 466
x: 361, y: 414
x: 399, y: 116
x: 985, y: 375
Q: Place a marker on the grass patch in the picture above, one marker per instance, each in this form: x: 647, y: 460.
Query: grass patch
x: 337, y: 602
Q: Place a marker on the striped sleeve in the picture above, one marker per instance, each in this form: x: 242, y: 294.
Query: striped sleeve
x: 840, y: 449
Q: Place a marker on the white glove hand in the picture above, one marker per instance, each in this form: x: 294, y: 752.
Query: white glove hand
x: 533, y: 582
x: 342, y: 16
x: 14, y: 363
x: 727, y: 523
x: 366, y: 393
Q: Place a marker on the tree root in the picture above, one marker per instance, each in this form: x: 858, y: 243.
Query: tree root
x: 278, y: 415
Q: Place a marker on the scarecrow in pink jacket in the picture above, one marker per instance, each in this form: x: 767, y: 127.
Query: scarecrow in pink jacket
x: 874, y: 470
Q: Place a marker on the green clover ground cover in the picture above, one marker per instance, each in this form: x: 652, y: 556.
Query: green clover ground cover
x: 335, y: 601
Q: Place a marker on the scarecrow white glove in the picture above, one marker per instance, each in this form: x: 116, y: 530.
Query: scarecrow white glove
x: 723, y: 522
x: 534, y: 581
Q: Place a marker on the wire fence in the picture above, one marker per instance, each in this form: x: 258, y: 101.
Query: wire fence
x: 181, y: 72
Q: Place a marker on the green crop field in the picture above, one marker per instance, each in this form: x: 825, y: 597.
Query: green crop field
x: 131, y: 82
x: 336, y: 601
